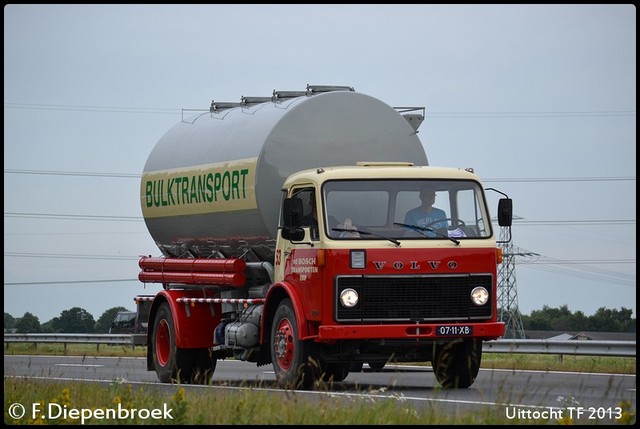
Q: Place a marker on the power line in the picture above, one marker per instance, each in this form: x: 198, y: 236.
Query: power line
x: 581, y: 261
x: 76, y: 108
x: 69, y: 282
x: 442, y: 115
x: 474, y: 115
x: 71, y: 256
x: 72, y: 173
x: 578, y: 268
x: 132, y: 257
x: 581, y: 268
x: 576, y: 222
x: 71, y: 216
x: 139, y: 218
x: 562, y: 179
x: 503, y: 180
x: 609, y: 280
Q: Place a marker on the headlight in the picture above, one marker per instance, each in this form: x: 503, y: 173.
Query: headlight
x: 479, y: 296
x: 349, y: 298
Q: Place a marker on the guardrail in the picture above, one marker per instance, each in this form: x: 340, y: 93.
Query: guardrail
x: 565, y: 347
x: 98, y: 339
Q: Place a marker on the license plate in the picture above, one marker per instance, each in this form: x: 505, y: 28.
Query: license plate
x: 454, y: 330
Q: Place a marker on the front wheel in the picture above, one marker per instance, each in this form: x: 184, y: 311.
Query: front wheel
x: 456, y: 363
x: 293, y: 362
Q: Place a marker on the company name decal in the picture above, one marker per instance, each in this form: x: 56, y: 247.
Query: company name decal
x: 201, y: 189
x: 304, y: 266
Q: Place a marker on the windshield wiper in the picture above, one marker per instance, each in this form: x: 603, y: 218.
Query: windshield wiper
x: 393, y: 240
x: 421, y: 230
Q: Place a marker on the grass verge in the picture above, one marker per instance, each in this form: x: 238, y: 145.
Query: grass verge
x: 53, y: 402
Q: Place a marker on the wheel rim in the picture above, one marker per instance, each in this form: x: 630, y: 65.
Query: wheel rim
x: 163, y: 347
x: 283, y: 344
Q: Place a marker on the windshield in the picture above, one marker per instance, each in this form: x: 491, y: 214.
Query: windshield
x: 405, y: 209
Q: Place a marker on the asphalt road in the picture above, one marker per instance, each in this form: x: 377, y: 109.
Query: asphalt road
x: 519, y: 395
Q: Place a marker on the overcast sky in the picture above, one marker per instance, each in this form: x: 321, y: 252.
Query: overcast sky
x: 539, y: 99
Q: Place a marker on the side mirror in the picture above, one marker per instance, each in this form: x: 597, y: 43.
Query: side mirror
x: 505, y: 211
x: 292, y: 213
x: 292, y: 234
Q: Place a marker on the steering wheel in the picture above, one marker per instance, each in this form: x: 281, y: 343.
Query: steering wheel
x: 454, y: 221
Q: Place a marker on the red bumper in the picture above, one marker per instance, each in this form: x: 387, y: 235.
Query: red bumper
x: 486, y: 331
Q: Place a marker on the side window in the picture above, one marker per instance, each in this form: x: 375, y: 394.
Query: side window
x: 470, y: 212
x: 310, y: 216
x: 308, y: 202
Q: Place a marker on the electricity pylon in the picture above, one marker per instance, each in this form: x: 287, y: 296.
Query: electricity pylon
x: 508, y: 311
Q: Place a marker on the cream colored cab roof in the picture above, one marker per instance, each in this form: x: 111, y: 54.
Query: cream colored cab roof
x: 378, y: 170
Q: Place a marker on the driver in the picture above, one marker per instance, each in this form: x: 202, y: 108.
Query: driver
x: 426, y: 215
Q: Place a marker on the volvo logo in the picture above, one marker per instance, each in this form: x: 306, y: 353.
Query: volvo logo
x: 414, y: 265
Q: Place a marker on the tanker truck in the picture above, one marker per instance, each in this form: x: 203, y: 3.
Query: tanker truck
x: 281, y: 223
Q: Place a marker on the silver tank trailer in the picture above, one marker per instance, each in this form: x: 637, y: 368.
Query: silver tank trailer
x: 282, y: 136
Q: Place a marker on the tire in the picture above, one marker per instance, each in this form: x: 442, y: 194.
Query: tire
x: 174, y: 364
x: 202, y: 363
x: 164, y: 345
x: 456, y: 364
x: 336, y: 371
x: 376, y: 366
x: 356, y: 367
x: 292, y: 360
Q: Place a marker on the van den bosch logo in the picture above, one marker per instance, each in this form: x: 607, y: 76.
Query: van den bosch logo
x: 413, y: 265
x: 304, y: 266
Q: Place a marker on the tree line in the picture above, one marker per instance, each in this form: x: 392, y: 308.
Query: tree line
x: 75, y: 320
x: 562, y: 319
x: 78, y: 320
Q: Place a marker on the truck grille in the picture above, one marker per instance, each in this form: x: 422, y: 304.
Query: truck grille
x: 415, y: 298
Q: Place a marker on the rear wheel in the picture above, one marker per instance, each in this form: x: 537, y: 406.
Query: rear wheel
x: 376, y: 366
x: 356, y: 367
x: 164, y: 345
x: 202, y: 363
x: 456, y: 363
x: 336, y: 371
x: 293, y: 362
x: 174, y: 364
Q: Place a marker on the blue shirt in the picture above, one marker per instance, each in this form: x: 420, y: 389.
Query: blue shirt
x: 417, y: 217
